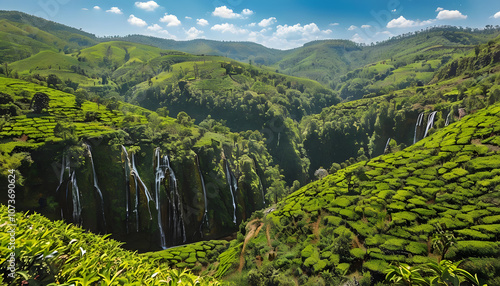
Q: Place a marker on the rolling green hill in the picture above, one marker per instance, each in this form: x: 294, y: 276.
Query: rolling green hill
x: 389, y: 210
x: 408, y: 130
x: 329, y: 61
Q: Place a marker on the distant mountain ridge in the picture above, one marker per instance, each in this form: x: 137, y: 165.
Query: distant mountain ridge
x: 321, y: 60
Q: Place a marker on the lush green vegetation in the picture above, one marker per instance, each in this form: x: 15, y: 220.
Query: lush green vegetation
x: 412, y: 213
x: 54, y: 253
x: 388, y: 210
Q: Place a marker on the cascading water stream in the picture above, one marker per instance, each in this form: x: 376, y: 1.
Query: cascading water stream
x: 387, y: 145
x: 417, y: 124
x: 160, y: 175
x: 176, y: 205
x: 127, y: 168
x: 262, y: 191
x: 430, y: 122
x: 96, y: 185
x: 205, y: 214
x: 447, y: 119
x: 139, y: 183
x: 231, y: 189
x: 77, y: 208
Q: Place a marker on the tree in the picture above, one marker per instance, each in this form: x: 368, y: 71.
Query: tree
x: 39, y: 102
x: 442, y: 240
x: 162, y: 111
x: 65, y: 131
x: 184, y: 119
x: 53, y: 80
x: 112, y: 104
x: 80, y: 96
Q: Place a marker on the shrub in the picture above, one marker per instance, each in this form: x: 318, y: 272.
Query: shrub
x: 473, y: 248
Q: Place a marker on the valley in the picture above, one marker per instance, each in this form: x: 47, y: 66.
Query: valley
x: 229, y: 163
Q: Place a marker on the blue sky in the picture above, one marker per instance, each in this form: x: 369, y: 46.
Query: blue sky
x: 278, y: 24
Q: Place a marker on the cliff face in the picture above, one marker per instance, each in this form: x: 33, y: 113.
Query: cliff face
x: 147, y: 195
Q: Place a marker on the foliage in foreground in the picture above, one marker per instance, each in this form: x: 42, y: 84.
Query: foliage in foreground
x: 443, y: 273
x: 55, y: 253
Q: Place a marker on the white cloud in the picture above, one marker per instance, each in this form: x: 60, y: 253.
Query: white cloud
x: 357, y: 38
x: 158, y: 30
x: 402, y: 22
x: 155, y: 28
x: 202, y: 22
x: 365, y: 26
x: 193, y: 33
x: 134, y: 21
x: 288, y: 36
x: 115, y: 10
x: 497, y: 15
x: 393, y: 10
x: 188, y: 18
x: 439, y: 9
x: 148, y: 6
x: 252, y: 24
x: 228, y: 28
x: 247, y: 12
x: 352, y: 27
x: 385, y: 33
x: 450, y: 15
x: 171, y: 20
x: 334, y: 24
x: 167, y: 34
x: 300, y: 33
x: 227, y: 13
x: 267, y: 22
x: 85, y: 9
x: 97, y: 8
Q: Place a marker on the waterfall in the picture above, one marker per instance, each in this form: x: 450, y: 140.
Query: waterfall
x: 205, y: 214
x: 430, y: 122
x: 160, y: 175
x: 77, y: 208
x: 447, y: 119
x: 75, y: 194
x: 261, y: 189
x: 176, y: 208
x: 417, y: 124
x: 96, y: 185
x: 229, y: 178
x: 139, y: 183
x: 126, y: 167
x: 387, y: 145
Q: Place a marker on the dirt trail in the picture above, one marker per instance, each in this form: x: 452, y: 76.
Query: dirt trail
x: 253, y: 230
x: 315, y: 230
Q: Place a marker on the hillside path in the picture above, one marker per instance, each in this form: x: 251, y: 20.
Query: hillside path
x: 253, y: 230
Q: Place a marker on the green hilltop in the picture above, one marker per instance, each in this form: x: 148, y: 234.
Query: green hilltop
x: 361, y: 219
x: 361, y: 159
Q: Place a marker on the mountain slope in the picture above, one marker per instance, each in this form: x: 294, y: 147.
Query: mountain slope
x: 240, y: 51
x: 386, y: 210
x: 220, y: 177
x: 328, y: 61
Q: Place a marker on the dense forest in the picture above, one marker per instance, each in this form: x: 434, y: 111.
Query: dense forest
x: 330, y: 164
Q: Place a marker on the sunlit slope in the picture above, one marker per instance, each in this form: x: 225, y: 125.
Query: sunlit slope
x: 387, y: 210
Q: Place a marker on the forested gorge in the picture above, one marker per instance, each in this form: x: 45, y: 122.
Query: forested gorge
x: 330, y: 164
